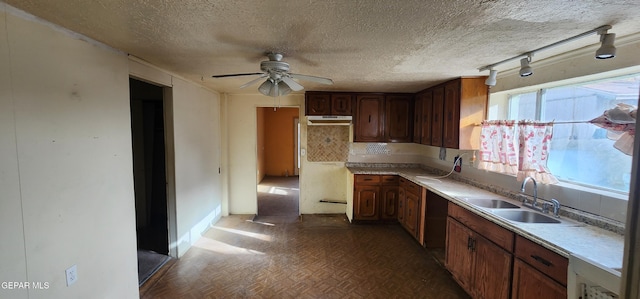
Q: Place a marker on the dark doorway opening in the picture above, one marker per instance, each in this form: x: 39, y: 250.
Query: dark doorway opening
x: 278, y: 141
x: 149, y: 172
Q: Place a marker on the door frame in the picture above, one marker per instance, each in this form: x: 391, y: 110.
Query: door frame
x: 169, y: 143
x: 170, y: 169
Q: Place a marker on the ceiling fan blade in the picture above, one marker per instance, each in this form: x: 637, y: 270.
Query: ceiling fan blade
x: 295, y: 86
x: 254, y: 81
x: 313, y: 79
x: 236, y: 75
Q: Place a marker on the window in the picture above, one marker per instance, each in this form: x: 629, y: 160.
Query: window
x: 580, y: 152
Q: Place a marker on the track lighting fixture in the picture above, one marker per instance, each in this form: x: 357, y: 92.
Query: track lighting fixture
x: 491, y: 80
x: 606, y: 50
x: 525, y: 68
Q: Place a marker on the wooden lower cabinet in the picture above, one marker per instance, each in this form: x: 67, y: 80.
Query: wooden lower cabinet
x: 389, y: 203
x: 365, y: 202
x: 458, y: 257
x: 478, y: 254
x: 412, y: 213
x: 375, y: 197
x: 538, y: 272
x: 529, y: 283
x: 410, y: 197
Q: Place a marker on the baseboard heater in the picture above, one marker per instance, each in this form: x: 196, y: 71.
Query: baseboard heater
x: 333, y: 201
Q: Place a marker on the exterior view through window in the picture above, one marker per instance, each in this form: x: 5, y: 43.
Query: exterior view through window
x: 581, y: 153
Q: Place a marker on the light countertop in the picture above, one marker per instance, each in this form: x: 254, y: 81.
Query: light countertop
x: 565, y: 238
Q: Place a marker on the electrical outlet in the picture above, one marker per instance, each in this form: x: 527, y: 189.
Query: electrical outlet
x: 72, y: 275
x: 457, y: 164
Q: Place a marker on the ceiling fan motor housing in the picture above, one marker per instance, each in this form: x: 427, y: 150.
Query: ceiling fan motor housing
x: 274, y: 66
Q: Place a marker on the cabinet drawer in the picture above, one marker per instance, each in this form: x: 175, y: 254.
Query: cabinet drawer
x: 410, y: 187
x: 367, y: 179
x: 496, y: 234
x: 545, y: 260
x: 390, y: 180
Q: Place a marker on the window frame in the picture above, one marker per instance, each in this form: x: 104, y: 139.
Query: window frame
x: 540, y: 91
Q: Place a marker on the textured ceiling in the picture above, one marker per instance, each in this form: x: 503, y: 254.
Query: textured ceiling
x: 363, y: 45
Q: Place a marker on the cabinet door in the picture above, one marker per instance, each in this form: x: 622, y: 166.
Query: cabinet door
x: 398, y: 118
x: 365, y: 202
x: 529, y: 283
x: 451, y: 115
x: 341, y: 104
x: 402, y: 195
x: 369, y: 124
x: 427, y: 115
x: 412, y: 213
x: 318, y: 104
x: 417, y: 119
x: 389, y: 203
x: 458, y: 255
x: 492, y: 265
x: 437, y: 120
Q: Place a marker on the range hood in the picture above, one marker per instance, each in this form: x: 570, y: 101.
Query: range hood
x: 329, y: 120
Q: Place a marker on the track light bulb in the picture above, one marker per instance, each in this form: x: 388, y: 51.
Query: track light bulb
x: 491, y: 80
x: 525, y: 69
x: 607, y: 49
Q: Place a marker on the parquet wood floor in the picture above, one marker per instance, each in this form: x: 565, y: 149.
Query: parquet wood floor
x: 320, y: 256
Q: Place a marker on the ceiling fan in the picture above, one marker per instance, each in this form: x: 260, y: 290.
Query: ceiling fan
x: 279, y: 80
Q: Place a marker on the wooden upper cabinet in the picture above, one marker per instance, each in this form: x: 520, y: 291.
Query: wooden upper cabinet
x: 451, y: 115
x: 417, y: 119
x: 465, y: 107
x: 458, y: 106
x: 326, y: 103
x: 398, y: 118
x: 341, y: 104
x: 436, y: 115
x: 317, y: 103
x: 369, y: 120
x: 426, y: 114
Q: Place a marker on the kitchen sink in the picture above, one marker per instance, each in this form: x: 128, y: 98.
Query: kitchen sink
x: 525, y: 216
x: 491, y: 203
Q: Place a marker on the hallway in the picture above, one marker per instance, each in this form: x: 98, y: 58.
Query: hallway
x: 318, y: 256
x: 278, y: 199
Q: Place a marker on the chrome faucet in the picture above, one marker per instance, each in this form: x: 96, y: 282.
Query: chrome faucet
x: 556, y: 207
x: 535, y: 191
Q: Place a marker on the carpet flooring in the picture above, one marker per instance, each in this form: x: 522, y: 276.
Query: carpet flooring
x: 148, y: 263
x: 278, y: 196
x: 317, y: 256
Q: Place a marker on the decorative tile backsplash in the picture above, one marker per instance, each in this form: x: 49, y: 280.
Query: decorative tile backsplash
x: 327, y: 143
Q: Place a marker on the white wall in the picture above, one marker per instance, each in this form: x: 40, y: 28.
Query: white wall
x: 196, y: 114
x: 12, y: 247
x: 66, y: 178
x: 66, y: 170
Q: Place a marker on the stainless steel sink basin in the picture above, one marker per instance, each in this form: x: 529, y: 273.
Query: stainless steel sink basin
x: 525, y: 216
x: 491, y: 203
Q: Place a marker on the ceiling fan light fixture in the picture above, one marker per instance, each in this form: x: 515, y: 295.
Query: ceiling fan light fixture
x: 265, y: 87
x: 525, y: 68
x: 283, y: 88
x: 607, y: 49
x: 491, y: 80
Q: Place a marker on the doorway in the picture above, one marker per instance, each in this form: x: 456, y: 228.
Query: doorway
x: 278, y: 140
x: 150, y: 176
